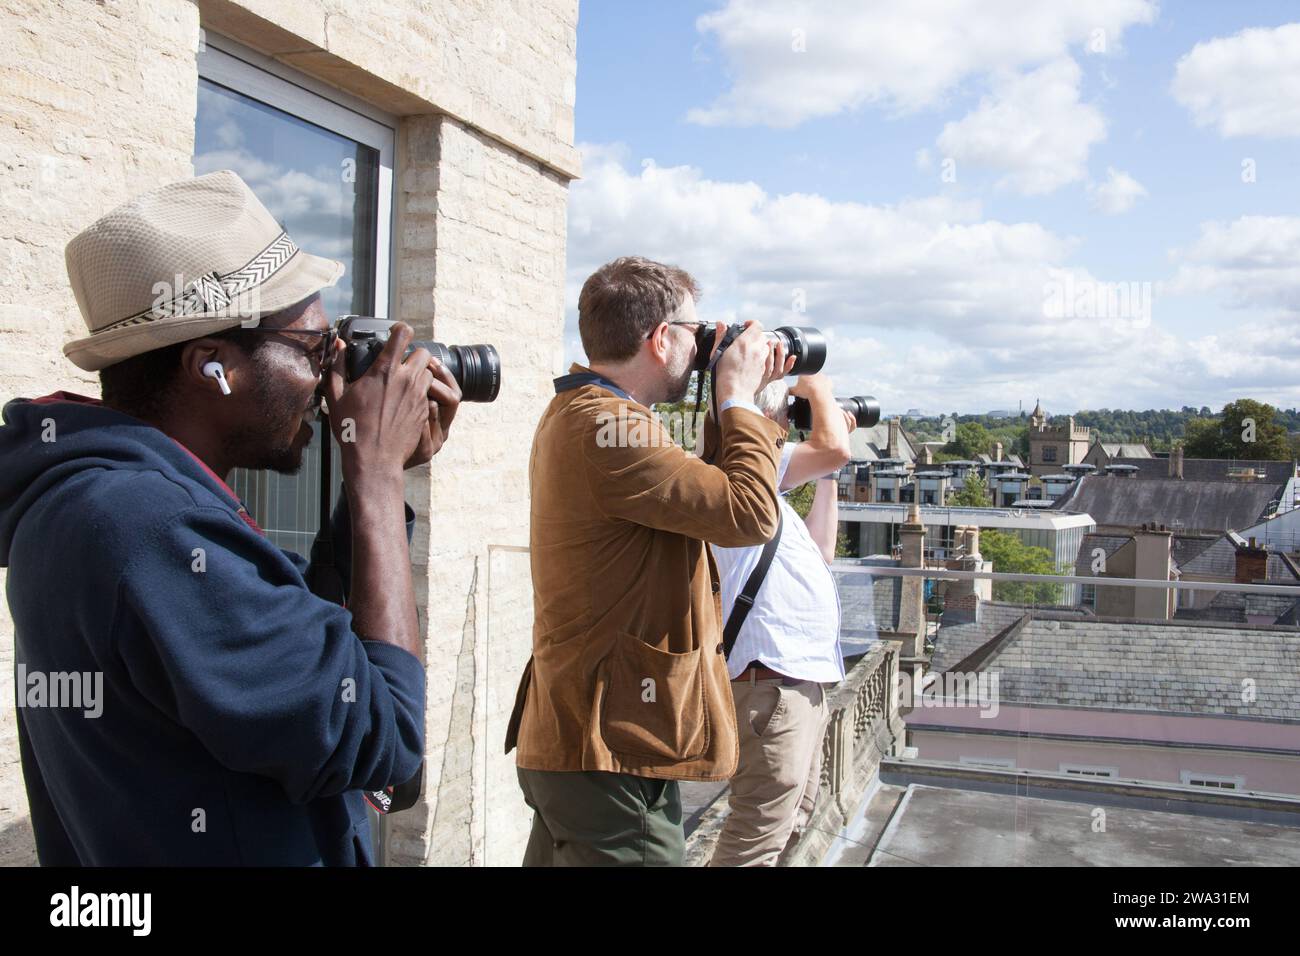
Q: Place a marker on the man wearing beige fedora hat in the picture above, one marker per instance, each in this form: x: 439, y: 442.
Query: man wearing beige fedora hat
x: 224, y: 714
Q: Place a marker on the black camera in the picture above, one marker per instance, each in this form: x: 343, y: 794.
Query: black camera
x: 864, y: 409
x: 476, y: 368
x: 808, y: 346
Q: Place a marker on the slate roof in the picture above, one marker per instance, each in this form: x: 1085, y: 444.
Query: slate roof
x: 1186, y: 547
x: 1180, y: 505
x: 1207, y: 469
x: 1118, y: 453
x: 868, y: 604
x: 1155, y: 666
x: 1220, y: 560
x: 872, y: 444
x: 1241, y: 607
x: 1183, y: 549
x: 958, y: 638
x: 1110, y: 543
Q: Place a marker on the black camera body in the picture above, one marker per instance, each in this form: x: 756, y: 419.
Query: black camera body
x: 476, y: 368
x: 807, y: 345
x: 864, y: 409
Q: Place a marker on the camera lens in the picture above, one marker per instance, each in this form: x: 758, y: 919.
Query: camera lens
x: 476, y: 368
x: 864, y: 409
x: 807, y: 345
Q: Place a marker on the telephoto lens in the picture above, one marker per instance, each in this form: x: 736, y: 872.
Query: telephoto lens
x: 807, y: 345
x: 864, y: 409
x: 476, y: 368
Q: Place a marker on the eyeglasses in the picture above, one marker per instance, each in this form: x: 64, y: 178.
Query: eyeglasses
x: 323, y: 355
x: 693, y: 323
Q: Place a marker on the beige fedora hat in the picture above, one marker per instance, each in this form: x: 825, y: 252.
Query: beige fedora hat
x: 180, y: 262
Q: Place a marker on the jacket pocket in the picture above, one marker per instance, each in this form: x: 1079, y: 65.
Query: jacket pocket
x: 653, y: 702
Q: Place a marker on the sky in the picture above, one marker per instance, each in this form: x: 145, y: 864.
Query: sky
x: 983, y: 203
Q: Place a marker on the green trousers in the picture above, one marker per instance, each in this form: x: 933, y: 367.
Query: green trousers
x: 591, y: 818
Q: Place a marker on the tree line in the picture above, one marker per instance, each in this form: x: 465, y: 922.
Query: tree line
x: 1244, y: 429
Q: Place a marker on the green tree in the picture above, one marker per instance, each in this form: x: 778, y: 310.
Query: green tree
x: 801, y: 499
x: 974, y: 493
x: 1201, y: 439
x: 971, y: 439
x: 1010, y: 555
x: 1245, y: 429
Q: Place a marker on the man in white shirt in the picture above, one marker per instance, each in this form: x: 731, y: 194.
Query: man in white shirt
x: 788, y: 646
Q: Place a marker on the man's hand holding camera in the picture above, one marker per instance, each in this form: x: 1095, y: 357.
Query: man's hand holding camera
x: 817, y: 390
x: 750, y: 363
x: 401, y: 409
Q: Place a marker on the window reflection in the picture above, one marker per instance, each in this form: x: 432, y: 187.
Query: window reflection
x: 323, y: 189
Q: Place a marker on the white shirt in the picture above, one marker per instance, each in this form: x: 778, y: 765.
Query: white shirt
x: 794, y: 626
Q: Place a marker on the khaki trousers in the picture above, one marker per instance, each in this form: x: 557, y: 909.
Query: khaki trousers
x: 781, y: 727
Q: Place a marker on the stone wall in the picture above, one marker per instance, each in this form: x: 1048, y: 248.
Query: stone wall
x: 505, y: 67
x: 79, y: 134
x: 481, y: 259
x: 98, y: 104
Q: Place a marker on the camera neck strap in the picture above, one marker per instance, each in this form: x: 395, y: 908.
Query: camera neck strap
x: 711, y: 370
x: 745, y: 599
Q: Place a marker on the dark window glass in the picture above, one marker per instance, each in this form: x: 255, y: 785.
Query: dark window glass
x: 323, y: 189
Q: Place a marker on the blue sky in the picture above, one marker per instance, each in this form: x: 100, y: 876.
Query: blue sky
x: 928, y: 177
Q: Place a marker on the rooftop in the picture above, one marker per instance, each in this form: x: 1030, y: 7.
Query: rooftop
x: 1207, y: 469
x: 867, y: 605
x: 1066, y: 658
x: 1118, y: 452
x: 931, y: 815
x: 1178, y: 504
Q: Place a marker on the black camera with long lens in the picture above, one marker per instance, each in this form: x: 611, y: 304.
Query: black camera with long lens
x: 476, y: 368
x: 807, y: 345
x: 864, y: 409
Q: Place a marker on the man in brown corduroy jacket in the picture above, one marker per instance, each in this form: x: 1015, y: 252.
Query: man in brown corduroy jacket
x: 627, y: 690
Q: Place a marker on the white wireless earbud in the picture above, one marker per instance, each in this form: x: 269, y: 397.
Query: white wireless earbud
x: 217, y: 370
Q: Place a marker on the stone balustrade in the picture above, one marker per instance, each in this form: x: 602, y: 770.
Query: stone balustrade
x: 864, y: 726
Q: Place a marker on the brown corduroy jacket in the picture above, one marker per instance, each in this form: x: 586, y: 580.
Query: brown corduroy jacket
x: 627, y: 673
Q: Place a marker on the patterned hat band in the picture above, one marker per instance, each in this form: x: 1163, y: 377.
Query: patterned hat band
x: 212, y: 292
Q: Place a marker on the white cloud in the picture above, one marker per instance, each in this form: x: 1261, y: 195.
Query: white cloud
x: 1117, y: 194
x: 926, y: 303
x: 1244, y: 85
x: 900, y: 56
x: 1033, y: 127
x: 1252, y: 262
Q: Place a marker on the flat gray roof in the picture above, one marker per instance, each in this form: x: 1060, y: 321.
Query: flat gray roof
x: 943, y: 826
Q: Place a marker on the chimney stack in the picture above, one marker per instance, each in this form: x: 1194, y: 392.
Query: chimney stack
x: 1176, y: 462
x: 1252, y: 562
x: 997, y: 451
x: 911, y: 607
x: 895, y: 446
x: 1153, y: 560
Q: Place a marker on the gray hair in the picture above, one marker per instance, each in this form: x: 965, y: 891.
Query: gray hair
x: 773, y: 400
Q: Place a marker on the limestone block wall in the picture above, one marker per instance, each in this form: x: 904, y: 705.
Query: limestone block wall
x: 79, y: 134
x: 97, y: 104
x: 480, y: 239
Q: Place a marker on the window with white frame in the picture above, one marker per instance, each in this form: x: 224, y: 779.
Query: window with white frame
x: 322, y: 163
x: 1086, y: 770
x: 1192, y: 778
x: 1000, y: 763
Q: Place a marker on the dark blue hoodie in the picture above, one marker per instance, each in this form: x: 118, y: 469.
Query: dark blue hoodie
x: 241, y: 718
